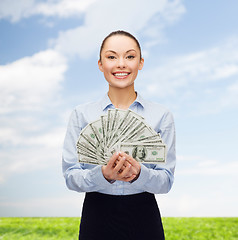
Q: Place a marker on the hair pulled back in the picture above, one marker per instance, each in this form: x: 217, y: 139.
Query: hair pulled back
x: 121, y: 33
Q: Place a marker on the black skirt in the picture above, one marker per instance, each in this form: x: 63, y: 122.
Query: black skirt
x: 124, y: 217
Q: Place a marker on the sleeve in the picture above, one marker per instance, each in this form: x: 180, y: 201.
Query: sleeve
x: 78, y: 177
x: 159, y: 178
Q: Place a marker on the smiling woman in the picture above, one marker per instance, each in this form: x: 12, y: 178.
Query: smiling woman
x: 120, y: 201
x: 120, y: 61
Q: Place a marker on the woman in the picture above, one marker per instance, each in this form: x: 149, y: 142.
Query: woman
x: 119, y: 201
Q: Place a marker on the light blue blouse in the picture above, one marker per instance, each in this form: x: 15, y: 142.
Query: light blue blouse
x: 154, y: 178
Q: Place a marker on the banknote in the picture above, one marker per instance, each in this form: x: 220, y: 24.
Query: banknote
x: 120, y: 130
x: 145, y: 152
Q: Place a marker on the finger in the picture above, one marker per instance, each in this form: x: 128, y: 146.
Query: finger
x: 113, y: 159
x: 126, y: 171
x: 126, y: 163
x: 131, y: 171
x: 120, y: 164
x: 128, y: 179
x: 123, y: 154
x: 122, y: 168
x: 129, y: 158
x: 136, y: 165
x: 116, y: 162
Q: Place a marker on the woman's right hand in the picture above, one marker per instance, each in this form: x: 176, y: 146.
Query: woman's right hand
x: 117, y: 168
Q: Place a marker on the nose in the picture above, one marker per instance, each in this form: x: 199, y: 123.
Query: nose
x: 121, y: 63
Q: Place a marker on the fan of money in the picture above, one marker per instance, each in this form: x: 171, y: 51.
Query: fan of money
x: 120, y: 130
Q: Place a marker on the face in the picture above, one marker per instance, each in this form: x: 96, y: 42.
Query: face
x: 120, y: 61
x: 140, y: 152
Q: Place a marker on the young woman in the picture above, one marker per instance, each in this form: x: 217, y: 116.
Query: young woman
x: 120, y: 201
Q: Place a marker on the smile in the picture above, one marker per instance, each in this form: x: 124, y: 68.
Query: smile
x: 121, y: 74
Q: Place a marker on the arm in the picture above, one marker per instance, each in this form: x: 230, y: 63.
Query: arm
x: 77, y: 176
x: 158, y: 178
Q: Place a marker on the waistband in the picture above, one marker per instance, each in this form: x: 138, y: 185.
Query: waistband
x: 138, y: 197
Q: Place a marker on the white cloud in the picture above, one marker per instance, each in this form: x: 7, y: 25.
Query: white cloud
x: 225, y: 71
x: 171, y: 205
x: 31, y: 142
x: 206, y: 78
x: 29, y: 95
x: 230, y: 96
x: 197, y: 204
x: 210, y: 169
x: 63, y: 8
x: 31, y: 82
x: 201, y: 165
x: 211, y: 65
x: 103, y: 17
x: 31, y: 155
x: 100, y: 18
x: 69, y: 205
x: 203, y: 187
x: 15, y: 10
x: 27, y: 137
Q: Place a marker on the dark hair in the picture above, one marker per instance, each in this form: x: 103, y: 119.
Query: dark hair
x: 122, y: 33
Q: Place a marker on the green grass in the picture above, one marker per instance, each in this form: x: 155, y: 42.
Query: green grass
x: 201, y: 228
x: 38, y: 228
x: 67, y: 228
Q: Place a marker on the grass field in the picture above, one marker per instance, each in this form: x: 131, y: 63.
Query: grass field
x: 67, y: 228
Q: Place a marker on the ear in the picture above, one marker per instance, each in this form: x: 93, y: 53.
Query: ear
x: 141, y: 63
x: 100, y: 65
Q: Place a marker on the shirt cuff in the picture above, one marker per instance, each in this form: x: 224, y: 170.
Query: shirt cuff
x: 142, y: 179
x: 98, y: 178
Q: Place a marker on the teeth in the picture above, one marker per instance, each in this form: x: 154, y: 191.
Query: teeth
x: 121, y: 74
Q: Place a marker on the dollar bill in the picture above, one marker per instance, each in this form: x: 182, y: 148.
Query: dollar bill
x: 120, y: 130
x: 96, y: 127
x: 146, y: 152
x: 104, y: 131
x: 118, y: 118
x: 129, y: 123
x: 85, y: 145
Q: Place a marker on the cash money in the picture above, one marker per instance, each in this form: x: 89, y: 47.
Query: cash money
x: 120, y: 130
x: 145, y: 152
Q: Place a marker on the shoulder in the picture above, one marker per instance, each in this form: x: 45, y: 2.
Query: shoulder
x: 151, y: 106
x: 87, y: 112
x: 157, y: 115
x: 86, y: 107
x: 155, y: 109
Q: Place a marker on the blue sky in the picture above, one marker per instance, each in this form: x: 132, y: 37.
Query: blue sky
x: 48, y: 65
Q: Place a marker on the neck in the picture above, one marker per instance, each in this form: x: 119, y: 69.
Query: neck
x: 122, y: 98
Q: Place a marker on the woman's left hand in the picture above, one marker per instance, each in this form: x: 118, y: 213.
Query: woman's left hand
x: 135, y: 167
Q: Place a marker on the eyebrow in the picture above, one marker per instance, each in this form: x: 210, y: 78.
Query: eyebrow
x: 116, y: 52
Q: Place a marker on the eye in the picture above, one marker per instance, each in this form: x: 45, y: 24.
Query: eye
x: 130, y: 57
x: 111, y: 57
